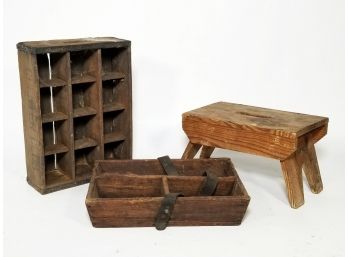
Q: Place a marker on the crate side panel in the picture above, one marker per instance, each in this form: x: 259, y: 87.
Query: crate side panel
x: 31, y: 112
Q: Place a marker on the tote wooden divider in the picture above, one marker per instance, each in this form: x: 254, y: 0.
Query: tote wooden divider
x: 77, y: 108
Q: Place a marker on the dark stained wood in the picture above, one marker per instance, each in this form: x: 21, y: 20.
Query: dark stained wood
x: 55, y: 82
x: 113, y: 137
x: 55, y: 148
x: 286, y: 136
x: 113, y: 75
x: 128, y: 193
x: 53, y: 116
x: 220, y: 167
x: 84, y: 111
x: 82, y: 78
x: 32, y: 121
x: 63, y: 142
x: 112, y: 107
x: 84, y: 143
x: 66, y: 45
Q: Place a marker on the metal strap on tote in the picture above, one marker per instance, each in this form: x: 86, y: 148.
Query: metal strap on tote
x: 210, y: 184
x: 168, y: 166
x: 165, y: 210
x: 167, y: 204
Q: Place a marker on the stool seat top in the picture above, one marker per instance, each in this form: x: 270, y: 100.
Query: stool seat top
x: 265, y: 119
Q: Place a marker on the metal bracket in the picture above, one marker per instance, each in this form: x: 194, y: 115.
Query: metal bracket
x: 168, y: 166
x: 210, y: 184
x: 165, y: 210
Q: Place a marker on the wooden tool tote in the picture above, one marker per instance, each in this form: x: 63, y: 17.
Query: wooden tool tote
x: 165, y: 192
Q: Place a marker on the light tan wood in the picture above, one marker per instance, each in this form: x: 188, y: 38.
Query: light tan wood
x: 286, y: 136
x: 318, y: 133
x: 190, y: 151
x: 165, y: 185
x: 311, y: 168
x: 206, y: 151
x: 292, y: 173
x: 242, y: 139
x: 281, y: 123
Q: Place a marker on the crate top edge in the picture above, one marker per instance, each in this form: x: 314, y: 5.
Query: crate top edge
x: 67, y: 45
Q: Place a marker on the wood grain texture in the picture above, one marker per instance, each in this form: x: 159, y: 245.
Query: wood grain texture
x: 221, y: 135
x: 129, y: 193
x: 292, y: 173
x: 311, y: 168
x: 206, y: 151
x: 254, y: 130
x: 286, y: 136
x: 191, y: 150
x: 220, y: 167
x: 66, y: 45
x: 281, y: 123
x: 32, y: 128
x: 65, y: 136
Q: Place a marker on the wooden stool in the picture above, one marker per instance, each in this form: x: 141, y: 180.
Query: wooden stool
x: 286, y: 136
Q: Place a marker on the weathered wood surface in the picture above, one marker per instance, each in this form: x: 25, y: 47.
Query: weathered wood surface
x: 286, y: 136
x: 292, y: 173
x: 65, y: 45
x: 191, y: 150
x: 281, y: 123
x: 64, y: 115
x: 254, y: 130
x: 129, y: 193
x: 32, y: 127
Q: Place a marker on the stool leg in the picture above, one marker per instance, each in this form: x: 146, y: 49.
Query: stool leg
x: 206, y: 151
x: 190, y: 151
x: 292, y: 173
x: 311, y: 168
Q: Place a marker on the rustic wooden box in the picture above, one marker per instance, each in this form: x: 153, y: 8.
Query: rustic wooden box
x: 77, y: 107
x: 128, y: 193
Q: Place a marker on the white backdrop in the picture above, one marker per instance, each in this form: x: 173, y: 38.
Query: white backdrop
x: 281, y: 54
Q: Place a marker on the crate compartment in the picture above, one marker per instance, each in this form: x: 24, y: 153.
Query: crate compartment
x: 85, y: 99
x: 114, y: 123
x: 56, y: 137
x: 84, y: 161
x: 84, y: 66
x: 115, y: 63
x: 58, y: 62
x: 85, y: 132
x: 53, y: 103
x: 115, y: 150
x: 123, y: 197
x: 114, y: 95
x: 57, y: 169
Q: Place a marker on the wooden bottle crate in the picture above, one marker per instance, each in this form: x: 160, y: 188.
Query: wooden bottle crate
x: 77, y: 107
x: 129, y: 193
